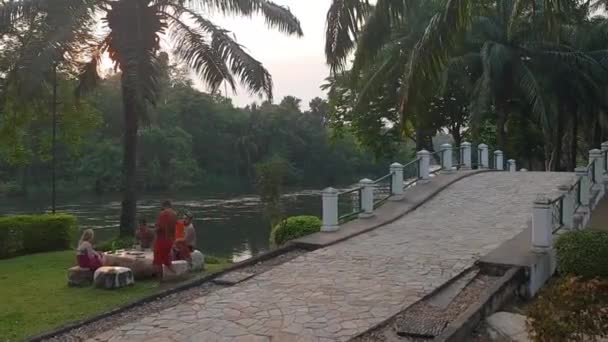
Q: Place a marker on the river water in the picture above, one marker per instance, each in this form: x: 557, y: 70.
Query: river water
x: 227, y: 226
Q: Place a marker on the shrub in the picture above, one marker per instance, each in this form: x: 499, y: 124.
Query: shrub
x: 295, y: 227
x: 583, y: 253
x: 26, y: 234
x: 571, y: 309
x: 117, y: 243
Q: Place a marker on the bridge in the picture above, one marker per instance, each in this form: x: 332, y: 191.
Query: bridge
x: 394, y: 249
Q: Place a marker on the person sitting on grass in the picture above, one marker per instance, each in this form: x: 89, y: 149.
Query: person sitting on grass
x: 87, y: 257
x: 144, y: 235
x: 190, y: 232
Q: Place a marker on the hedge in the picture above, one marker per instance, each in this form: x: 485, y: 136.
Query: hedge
x: 583, y: 253
x: 26, y: 234
x: 295, y: 227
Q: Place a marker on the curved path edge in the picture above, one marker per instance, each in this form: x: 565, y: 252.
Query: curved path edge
x: 390, y: 212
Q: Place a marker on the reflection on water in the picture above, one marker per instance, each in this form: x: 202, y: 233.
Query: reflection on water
x: 228, y: 227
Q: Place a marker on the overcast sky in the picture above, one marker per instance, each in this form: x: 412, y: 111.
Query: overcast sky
x: 297, y: 65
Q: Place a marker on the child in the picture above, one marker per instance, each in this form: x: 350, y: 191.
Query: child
x: 144, y: 235
x: 87, y: 257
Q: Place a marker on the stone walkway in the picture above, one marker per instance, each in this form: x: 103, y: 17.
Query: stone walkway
x: 337, y: 292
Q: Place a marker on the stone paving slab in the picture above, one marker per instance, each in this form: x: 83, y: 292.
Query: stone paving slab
x: 338, y: 292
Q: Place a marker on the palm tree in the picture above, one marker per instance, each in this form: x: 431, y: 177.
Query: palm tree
x: 133, y: 41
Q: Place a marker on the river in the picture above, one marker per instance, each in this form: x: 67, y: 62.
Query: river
x: 227, y: 226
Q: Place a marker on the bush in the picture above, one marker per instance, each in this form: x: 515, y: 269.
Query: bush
x: 26, y: 234
x: 295, y: 227
x: 583, y: 253
x: 117, y: 243
x: 571, y: 309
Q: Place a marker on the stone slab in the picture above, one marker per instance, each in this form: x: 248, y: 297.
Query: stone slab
x: 232, y: 278
x: 510, y: 325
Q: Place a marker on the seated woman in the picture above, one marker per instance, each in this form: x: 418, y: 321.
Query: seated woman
x: 87, y: 257
x: 144, y: 235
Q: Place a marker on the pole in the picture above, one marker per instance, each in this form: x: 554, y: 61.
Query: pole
x: 54, y: 139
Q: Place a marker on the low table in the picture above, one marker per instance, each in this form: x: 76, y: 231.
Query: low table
x: 140, y: 262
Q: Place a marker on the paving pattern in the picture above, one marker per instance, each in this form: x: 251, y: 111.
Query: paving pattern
x: 337, y: 292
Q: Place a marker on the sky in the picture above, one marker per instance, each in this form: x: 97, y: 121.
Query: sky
x: 297, y: 65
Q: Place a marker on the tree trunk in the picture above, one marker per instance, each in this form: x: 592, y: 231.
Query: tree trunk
x: 558, y: 142
x: 573, y: 143
x: 128, y: 215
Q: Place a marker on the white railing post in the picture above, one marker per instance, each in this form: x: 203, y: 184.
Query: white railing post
x: 512, y: 165
x: 483, y: 156
x: 596, y: 155
x: 581, y: 172
x: 604, y: 150
x: 425, y: 164
x: 542, y: 226
x: 330, y: 210
x: 466, y: 156
x: 568, y: 205
x: 397, y: 180
x: 367, y: 198
x: 446, y: 160
x: 498, y: 162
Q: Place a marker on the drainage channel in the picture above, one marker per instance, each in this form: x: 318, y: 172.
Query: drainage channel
x: 434, y: 316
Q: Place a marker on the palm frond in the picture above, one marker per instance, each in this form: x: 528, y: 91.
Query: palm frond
x: 13, y: 11
x: 192, y: 47
x: 531, y: 90
x: 442, y: 37
x: 343, y: 23
x: 224, y: 49
x: 276, y: 16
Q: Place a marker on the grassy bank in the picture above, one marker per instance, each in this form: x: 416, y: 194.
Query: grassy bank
x: 34, y: 296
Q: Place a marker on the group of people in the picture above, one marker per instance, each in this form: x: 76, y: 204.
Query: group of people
x: 172, y: 239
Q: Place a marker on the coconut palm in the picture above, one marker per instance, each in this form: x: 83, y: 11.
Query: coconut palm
x: 135, y: 28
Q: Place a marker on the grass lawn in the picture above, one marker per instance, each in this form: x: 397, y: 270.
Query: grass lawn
x: 34, y: 296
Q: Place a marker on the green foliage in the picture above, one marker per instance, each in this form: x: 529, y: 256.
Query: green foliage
x: 27, y: 234
x: 571, y: 309
x: 115, y: 244
x: 211, y: 260
x: 294, y: 227
x: 583, y: 253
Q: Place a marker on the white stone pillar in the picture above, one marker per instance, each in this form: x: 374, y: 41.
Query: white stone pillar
x: 466, y: 156
x: 330, y: 210
x: 581, y: 172
x: 568, y: 204
x: 446, y: 157
x: 604, y: 151
x: 397, y: 179
x: 425, y: 164
x: 498, y: 161
x: 367, y: 198
x: 483, y: 156
x: 542, y: 226
x: 596, y: 155
x: 512, y: 165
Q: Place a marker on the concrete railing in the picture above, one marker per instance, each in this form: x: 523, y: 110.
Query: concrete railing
x: 572, y: 208
x: 368, y: 195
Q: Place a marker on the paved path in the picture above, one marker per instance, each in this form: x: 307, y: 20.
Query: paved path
x: 339, y: 291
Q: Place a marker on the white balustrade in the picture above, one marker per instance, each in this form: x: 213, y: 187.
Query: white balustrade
x: 498, y: 160
x: 542, y: 226
x: 367, y: 198
x: 446, y: 160
x: 466, y: 156
x: 483, y: 156
x: 512, y: 165
x: 397, y: 180
x: 425, y: 164
x: 330, y: 210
